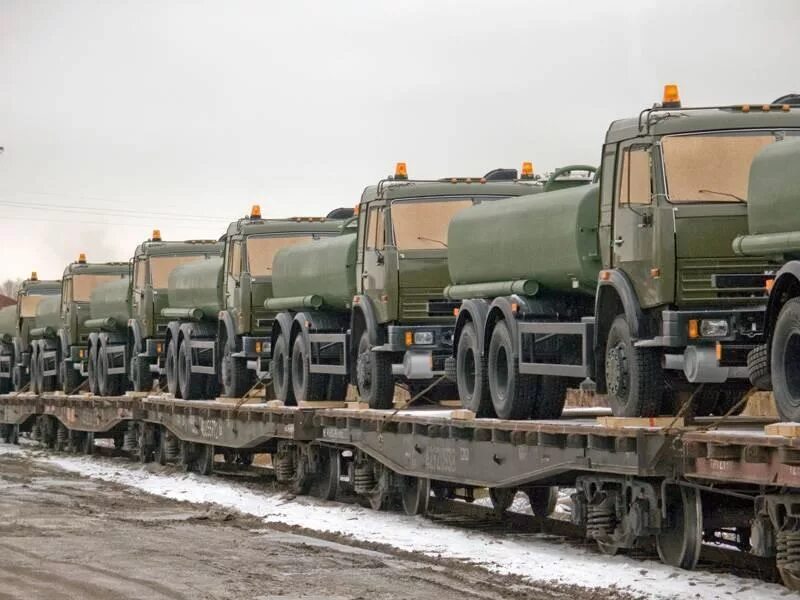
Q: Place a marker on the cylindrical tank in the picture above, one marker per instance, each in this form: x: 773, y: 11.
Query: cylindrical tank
x: 48, y: 312
x: 324, y: 268
x: 549, y: 238
x: 197, y: 285
x: 8, y: 321
x: 774, y: 189
x: 111, y: 300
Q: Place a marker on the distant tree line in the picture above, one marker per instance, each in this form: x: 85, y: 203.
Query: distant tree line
x: 10, y: 286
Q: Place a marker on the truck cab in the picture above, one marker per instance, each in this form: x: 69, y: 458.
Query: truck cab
x: 244, y: 324
x: 16, y: 364
x: 673, y: 196
x: 152, y: 263
x: 64, y: 355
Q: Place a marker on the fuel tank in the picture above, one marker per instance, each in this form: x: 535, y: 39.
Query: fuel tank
x: 323, y: 267
x: 548, y: 240
x: 197, y: 285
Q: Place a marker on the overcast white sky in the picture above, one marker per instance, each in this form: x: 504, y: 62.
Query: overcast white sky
x: 195, y: 110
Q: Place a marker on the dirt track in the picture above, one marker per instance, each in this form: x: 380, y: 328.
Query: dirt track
x: 63, y: 536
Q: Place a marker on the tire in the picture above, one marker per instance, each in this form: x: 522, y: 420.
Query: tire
x: 307, y: 386
x: 91, y: 369
x: 18, y: 378
x: 171, y: 368
x: 34, y: 369
x: 551, y: 394
x: 191, y: 385
x: 473, y: 386
x: 71, y: 379
x: 107, y: 385
x: 281, y: 371
x: 634, y: 376
x: 336, y: 388
x: 47, y: 383
x: 785, y: 361
x: 374, y: 375
x: 141, y: 377
x: 512, y: 393
x: 758, y: 368
x: 236, y: 377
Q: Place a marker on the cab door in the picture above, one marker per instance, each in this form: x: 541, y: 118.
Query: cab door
x: 373, y: 253
x: 233, y: 275
x: 632, y: 244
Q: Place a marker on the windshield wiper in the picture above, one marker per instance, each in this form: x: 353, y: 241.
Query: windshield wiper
x: 728, y: 194
x: 426, y: 239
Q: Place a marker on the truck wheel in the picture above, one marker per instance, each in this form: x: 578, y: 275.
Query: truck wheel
x: 70, y: 378
x: 141, y: 377
x: 307, y: 386
x: 91, y: 370
x: 551, y: 394
x: 281, y: 371
x: 512, y: 393
x: 236, y: 377
x: 171, y: 368
x: 107, y: 385
x: 473, y: 387
x: 758, y: 368
x: 374, y: 375
x: 336, y: 388
x: 190, y: 384
x: 634, y: 376
x: 34, y: 370
x: 18, y: 378
x: 46, y: 383
x: 785, y: 360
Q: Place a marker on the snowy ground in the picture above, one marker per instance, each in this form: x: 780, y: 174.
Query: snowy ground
x: 540, y: 558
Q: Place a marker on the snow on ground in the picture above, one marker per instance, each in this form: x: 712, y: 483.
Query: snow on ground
x: 538, y: 557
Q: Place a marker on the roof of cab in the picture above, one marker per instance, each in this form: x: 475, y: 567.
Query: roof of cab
x: 172, y: 248
x: 394, y: 189
x: 248, y: 226
x: 109, y: 268
x: 689, y: 120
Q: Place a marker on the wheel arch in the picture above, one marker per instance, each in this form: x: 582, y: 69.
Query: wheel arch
x: 471, y: 311
x: 786, y: 287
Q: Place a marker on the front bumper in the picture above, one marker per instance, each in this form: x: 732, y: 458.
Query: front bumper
x: 420, y: 361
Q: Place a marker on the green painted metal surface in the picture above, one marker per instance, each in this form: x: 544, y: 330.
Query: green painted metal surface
x: 48, y: 312
x: 111, y: 301
x: 197, y: 285
x: 550, y: 238
x: 324, y: 267
x: 8, y: 321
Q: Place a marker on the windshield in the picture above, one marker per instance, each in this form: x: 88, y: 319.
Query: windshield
x: 712, y: 167
x: 28, y: 304
x: 83, y: 285
x: 422, y: 225
x: 261, y: 250
x: 162, y: 266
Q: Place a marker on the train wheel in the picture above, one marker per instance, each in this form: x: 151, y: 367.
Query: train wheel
x: 281, y: 371
x: 512, y: 393
x: 784, y: 360
x: 307, y: 386
x: 330, y: 471
x: 543, y: 500
x: 502, y: 498
x: 473, y: 386
x: 171, y: 368
x: 680, y: 541
x: 190, y: 384
x: 414, y: 494
x: 634, y: 375
x: 160, y: 452
x: 204, y: 459
x: 187, y: 456
x: 88, y: 443
x: 374, y: 375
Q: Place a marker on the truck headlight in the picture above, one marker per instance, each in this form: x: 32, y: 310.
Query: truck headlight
x: 714, y: 327
x: 423, y: 338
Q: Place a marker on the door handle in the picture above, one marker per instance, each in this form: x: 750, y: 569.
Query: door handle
x: 364, y: 275
x: 619, y: 241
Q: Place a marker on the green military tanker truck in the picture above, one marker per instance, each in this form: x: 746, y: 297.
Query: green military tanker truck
x: 60, y: 338
x: 218, y: 332
x: 131, y: 351
x: 15, y: 363
x: 774, y: 234
x: 631, y: 282
x: 366, y: 307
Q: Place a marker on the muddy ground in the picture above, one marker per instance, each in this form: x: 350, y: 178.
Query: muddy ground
x: 63, y: 536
